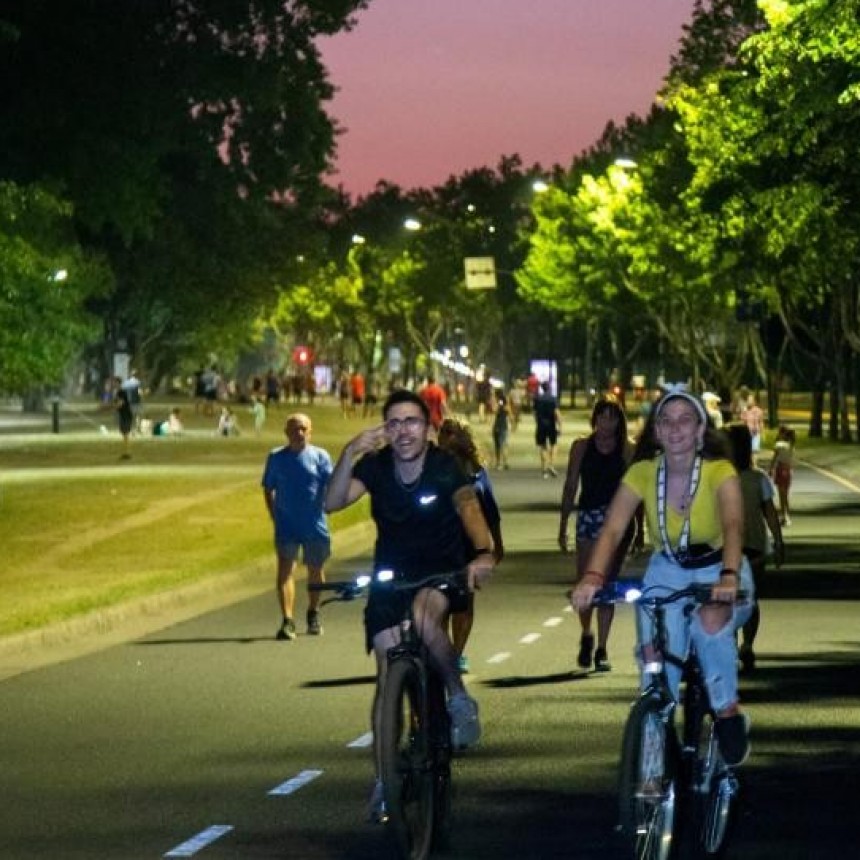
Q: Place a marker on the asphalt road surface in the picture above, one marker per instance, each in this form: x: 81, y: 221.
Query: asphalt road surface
x: 209, y: 739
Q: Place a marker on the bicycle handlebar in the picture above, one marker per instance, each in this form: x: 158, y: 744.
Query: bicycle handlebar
x: 629, y: 592
x: 349, y: 589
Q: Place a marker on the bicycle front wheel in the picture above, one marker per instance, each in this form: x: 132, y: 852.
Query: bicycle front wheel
x: 716, y: 794
x: 405, y: 756
x: 648, y: 781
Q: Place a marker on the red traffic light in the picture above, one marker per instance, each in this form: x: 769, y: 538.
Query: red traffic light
x: 302, y: 355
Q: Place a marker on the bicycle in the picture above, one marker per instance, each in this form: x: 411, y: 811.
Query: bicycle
x: 676, y: 795
x: 415, y: 731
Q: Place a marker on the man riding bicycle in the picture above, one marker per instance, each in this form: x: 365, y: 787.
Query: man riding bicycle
x: 426, y: 513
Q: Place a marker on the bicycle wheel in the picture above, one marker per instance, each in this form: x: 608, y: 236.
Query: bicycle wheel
x: 441, y: 755
x: 407, y: 774
x: 648, y: 781
x: 716, y: 791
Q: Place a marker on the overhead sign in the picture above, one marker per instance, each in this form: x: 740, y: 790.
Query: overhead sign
x: 480, y: 273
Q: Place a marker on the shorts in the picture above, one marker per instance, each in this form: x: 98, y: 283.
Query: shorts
x: 387, y: 608
x: 314, y: 552
x: 546, y: 434
x: 782, y: 476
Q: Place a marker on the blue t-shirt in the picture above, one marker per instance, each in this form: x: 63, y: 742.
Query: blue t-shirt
x: 299, y: 480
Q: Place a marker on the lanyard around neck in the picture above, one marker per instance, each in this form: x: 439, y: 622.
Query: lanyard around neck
x: 679, y: 552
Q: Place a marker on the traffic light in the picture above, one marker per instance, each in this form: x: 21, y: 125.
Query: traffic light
x: 302, y: 355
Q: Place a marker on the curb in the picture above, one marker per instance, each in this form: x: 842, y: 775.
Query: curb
x: 104, y: 628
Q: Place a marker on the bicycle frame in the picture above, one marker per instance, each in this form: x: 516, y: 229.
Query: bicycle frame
x: 414, y: 740
x: 693, y: 776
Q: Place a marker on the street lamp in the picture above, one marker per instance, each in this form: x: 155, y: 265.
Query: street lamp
x: 412, y: 224
x: 539, y: 186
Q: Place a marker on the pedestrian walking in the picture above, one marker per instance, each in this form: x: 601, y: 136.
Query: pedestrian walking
x: 547, y: 429
x: 295, y: 480
x: 595, y: 467
x: 782, y: 469
x: 124, y: 416
x: 502, y: 420
x: 759, y: 517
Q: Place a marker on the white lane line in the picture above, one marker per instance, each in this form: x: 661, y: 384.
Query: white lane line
x: 361, y: 742
x: 295, y: 783
x: 553, y: 622
x: 500, y: 657
x: 568, y: 608
x: 530, y: 638
x: 200, y: 841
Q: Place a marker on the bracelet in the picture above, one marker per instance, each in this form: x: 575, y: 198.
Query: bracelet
x: 597, y: 573
x: 727, y: 571
x: 483, y: 551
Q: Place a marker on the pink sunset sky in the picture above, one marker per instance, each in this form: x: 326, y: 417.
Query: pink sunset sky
x: 430, y: 88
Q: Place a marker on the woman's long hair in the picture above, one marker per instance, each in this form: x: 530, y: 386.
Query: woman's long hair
x: 455, y: 437
x: 610, y: 403
x: 740, y: 445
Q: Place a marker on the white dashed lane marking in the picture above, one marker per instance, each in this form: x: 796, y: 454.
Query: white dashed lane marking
x: 200, y: 841
x: 361, y: 742
x: 500, y: 657
x: 553, y: 622
x: 297, y: 782
x: 530, y: 638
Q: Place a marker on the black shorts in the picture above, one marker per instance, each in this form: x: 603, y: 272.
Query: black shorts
x: 546, y: 434
x: 387, y: 608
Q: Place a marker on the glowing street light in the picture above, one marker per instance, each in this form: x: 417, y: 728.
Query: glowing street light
x: 358, y: 239
x: 539, y: 186
x: 626, y: 163
x: 412, y: 224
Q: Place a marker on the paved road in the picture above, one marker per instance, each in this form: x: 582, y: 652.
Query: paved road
x: 132, y: 752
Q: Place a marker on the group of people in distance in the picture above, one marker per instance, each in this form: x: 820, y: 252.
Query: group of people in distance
x: 707, y: 508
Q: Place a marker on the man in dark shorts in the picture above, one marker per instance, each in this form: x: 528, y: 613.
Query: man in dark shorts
x: 426, y: 511
x: 547, y: 427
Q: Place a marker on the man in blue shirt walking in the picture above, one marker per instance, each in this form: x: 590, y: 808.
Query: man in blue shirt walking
x: 294, y: 486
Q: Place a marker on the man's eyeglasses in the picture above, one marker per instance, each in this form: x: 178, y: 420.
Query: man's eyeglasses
x: 411, y: 424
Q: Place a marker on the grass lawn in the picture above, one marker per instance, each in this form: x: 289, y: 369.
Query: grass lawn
x: 81, y: 529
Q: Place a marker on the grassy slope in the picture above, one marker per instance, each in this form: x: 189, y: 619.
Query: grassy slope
x: 82, y: 530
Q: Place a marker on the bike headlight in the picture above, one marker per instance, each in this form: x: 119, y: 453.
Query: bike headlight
x: 384, y: 575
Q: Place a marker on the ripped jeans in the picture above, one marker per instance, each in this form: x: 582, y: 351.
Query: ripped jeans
x: 718, y: 653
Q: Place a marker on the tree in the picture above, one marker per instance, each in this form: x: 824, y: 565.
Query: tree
x: 773, y: 148
x: 45, y: 280
x: 190, y: 138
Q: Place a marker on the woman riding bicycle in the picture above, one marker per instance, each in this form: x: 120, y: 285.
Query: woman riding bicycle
x: 694, y: 509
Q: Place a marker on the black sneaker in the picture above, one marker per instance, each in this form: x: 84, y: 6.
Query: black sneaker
x: 601, y: 661
x: 732, y: 736
x: 314, y: 625
x: 586, y: 649
x: 287, y: 631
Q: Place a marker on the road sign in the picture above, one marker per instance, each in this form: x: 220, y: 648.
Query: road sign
x: 480, y: 273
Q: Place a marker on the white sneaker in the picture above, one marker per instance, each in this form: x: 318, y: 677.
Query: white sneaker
x: 465, y: 726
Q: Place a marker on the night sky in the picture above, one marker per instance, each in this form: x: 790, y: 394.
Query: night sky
x: 430, y: 88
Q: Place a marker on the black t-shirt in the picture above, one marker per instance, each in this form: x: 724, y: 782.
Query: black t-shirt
x: 419, y: 531
x: 545, y: 406
x: 600, y: 476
